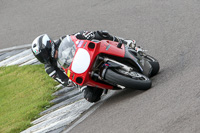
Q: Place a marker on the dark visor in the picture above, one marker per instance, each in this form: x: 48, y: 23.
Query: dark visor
x: 43, y: 56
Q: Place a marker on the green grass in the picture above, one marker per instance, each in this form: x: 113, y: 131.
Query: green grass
x: 24, y: 93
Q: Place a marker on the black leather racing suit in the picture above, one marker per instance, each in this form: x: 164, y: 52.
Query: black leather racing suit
x: 90, y: 93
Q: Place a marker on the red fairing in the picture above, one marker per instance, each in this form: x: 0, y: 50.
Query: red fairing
x: 94, y: 49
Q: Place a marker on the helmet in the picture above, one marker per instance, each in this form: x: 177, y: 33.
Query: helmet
x: 43, y: 48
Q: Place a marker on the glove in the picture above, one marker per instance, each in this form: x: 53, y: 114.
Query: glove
x: 72, y: 84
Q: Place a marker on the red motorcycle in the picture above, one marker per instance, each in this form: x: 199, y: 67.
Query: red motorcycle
x: 106, y: 64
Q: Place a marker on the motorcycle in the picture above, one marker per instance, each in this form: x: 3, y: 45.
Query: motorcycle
x: 106, y: 64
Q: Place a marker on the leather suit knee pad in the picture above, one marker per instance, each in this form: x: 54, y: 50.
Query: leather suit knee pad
x: 92, y: 94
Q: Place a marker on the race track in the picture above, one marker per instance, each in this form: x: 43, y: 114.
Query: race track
x: 168, y: 29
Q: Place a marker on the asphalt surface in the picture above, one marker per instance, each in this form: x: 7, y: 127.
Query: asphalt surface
x: 168, y: 29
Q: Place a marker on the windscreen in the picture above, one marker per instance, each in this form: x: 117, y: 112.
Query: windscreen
x: 66, y: 52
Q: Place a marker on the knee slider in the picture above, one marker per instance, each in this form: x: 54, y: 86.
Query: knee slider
x: 92, y: 94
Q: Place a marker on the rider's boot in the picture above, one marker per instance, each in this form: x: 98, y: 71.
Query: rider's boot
x: 132, y: 44
x: 129, y: 43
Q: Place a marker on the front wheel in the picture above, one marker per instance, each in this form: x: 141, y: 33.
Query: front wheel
x: 133, y: 80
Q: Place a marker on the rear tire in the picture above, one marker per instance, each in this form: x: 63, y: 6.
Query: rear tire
x: 154, y: 63
x: 114, y: 77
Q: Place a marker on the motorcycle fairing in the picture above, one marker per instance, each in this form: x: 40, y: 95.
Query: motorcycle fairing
x: 85, y: 55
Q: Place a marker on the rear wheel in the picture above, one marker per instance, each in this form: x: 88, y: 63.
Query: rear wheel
x: 133, y: 80
x: 154, y: 63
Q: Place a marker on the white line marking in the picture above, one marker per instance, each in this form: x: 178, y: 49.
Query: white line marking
x: 15, y: 47
x: 94, y: 108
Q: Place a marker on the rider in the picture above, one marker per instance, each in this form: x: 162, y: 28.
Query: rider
x: 46, y: 51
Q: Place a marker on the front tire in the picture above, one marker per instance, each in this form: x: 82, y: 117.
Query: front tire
x: 139, y: 81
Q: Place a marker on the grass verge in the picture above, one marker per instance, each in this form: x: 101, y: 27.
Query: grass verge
x: 24, y: 93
